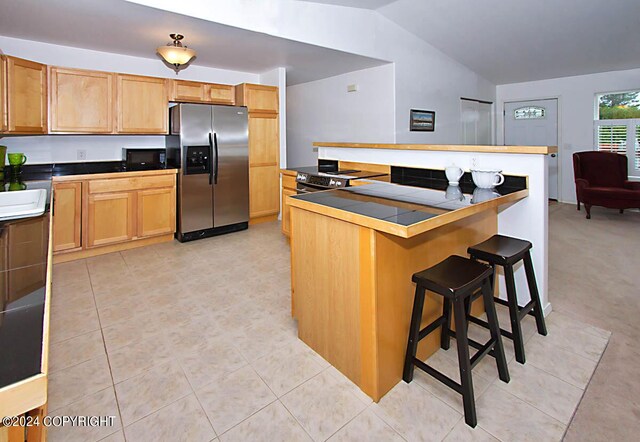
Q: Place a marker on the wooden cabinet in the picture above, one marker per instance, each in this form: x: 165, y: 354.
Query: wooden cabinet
x: 24, y: 96
x: 156, y: 211
x: 141, y: 105
x: 264, y: 195
x: 81, y: 101
x: 264, y: 148
x: 196, y: 92
x: 110, y: 218
x: 112, y: 212
x: 3, y: 94
x: 67, y: 220
x: 257, y: 97
x: 220, y: 94
x: 288, y: 189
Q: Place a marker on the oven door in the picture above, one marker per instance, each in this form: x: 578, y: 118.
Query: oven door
x: 302, y: 188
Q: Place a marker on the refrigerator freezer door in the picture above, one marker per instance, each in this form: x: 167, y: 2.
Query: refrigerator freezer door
x: 194, y: 203
x: 195, y: 126
x: 195, y: 206
x: 231, y: 191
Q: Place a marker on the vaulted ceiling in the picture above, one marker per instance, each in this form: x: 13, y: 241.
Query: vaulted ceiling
x: 522, y: 40
x: 504, y: 41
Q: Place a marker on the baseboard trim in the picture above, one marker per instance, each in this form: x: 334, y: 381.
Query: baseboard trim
x: 88, y: 253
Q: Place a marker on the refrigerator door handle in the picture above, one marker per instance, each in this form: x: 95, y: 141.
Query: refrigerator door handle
x: 210, y: 155
x: 215, y: 144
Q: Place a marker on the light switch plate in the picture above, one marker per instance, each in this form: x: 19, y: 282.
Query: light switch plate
x: 352, y: 88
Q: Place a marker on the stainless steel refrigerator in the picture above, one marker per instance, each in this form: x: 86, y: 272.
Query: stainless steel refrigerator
x: 209, y: 144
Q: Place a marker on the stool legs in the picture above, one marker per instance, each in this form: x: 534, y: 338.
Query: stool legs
x: 468, y: 398
x: 535, y: 296
x: 494, y: 328
x: 445, y: 337
x: 512, y: 299
x: 414, y: 331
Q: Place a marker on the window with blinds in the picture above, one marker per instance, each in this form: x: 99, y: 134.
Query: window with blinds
x: 617, y: 126
x: 612, y: 138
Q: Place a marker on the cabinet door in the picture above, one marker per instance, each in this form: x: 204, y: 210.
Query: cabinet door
x: 3, y: 94
x: 156, y: 212
x: 26, y: 96
x: 264, y: 142
x: 286, y: 220
x: 67, y: 207
x: 81, y: 101
x: 258, y: 98
x: 188, y: 91
x: 143, y: 107
x: 264, y: 191
x: 110, y: 218
x: 219, y: 94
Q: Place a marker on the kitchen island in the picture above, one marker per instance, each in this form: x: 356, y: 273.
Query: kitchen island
x: 353, y: 252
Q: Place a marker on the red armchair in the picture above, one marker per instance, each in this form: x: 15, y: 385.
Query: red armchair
x: 602, y: 180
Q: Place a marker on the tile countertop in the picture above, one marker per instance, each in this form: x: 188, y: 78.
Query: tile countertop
x: 407, y: 210
x: 24, y: 245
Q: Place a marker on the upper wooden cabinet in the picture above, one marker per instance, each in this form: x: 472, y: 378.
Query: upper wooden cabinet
x: 3, y: 94
x: 24, y: 96
x: 142, y: 106
x: 257, y: 97
x: 81, y: 101
x: 196, y: 92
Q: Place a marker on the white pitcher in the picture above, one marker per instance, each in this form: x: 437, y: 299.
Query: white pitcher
x: 487, y: 178
x: 454, y: 173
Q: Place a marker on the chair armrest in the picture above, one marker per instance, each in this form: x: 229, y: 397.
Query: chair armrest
x: 633, y: 185
x: 581, y: 183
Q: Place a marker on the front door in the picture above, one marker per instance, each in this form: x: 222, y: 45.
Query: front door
x: 534, y: 123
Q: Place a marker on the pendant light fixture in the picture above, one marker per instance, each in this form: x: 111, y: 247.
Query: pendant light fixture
x: 176, y: 53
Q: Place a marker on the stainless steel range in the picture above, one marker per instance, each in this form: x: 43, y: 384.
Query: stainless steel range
x: 316, y: 181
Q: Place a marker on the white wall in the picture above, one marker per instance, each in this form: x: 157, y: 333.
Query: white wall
x: 323, y: 110
x: 63, y: 148
x: 576, y: 101
x: 278, y: 77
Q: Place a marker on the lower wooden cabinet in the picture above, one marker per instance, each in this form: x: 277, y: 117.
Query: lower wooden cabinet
x: 286, y: 219
x: 93, y: 216
x: 110, y: 218
x: 156, y: 211
x: 67, y: 204
x: 264, y: 195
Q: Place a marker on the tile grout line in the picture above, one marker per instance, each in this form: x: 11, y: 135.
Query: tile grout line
x: 584, y: 392
x: 104, y: 343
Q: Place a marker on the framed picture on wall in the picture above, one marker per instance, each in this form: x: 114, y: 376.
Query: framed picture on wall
x: 422, y: 120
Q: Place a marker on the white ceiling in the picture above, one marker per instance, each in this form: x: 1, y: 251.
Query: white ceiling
x: 126, y: 28
x: 362, y: 4
x: 523, y: 40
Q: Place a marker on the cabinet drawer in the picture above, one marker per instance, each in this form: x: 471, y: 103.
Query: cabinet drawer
x: 133, y: 183
x: 288, y: 182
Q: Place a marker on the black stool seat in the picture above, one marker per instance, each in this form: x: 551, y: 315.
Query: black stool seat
x: 453, y: 276
x: 500, y: 250
x: 455, y: 279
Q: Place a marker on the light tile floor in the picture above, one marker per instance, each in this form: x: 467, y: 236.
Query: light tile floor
x: 193, y: 342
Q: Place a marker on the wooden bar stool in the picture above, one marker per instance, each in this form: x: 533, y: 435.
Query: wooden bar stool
x: 506, y: 251
x: 455, y: 279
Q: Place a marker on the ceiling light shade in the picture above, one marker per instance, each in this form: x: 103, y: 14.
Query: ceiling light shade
x: 175, y: 53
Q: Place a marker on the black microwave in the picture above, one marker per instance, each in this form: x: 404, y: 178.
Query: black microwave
x: 144, y: 159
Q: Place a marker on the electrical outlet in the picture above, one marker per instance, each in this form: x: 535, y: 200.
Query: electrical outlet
x: 352, y: 88
x: 81, y: 154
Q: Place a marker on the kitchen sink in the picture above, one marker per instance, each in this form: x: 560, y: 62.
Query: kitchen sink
x: 22, y: 204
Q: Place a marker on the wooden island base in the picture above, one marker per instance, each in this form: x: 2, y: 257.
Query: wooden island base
x: 352, y: 292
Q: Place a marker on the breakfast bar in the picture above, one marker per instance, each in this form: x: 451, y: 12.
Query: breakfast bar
x: 354, y: 250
